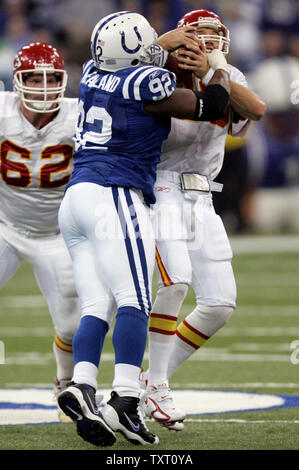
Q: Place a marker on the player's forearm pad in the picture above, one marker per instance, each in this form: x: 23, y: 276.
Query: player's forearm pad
x: 211, y: 104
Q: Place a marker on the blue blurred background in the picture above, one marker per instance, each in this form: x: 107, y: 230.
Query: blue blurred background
x: 261, y: 171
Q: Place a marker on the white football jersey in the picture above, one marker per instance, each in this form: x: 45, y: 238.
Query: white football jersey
x: 36, y: 164
x: 198, y: 146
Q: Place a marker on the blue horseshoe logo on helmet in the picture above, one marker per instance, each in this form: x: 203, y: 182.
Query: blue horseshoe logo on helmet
x: 123, y: 42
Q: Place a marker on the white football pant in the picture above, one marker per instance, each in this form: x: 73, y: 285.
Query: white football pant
x: 53, y: 272
x: 192, y: 245
x: 109, y: 235
x: 192, y: 249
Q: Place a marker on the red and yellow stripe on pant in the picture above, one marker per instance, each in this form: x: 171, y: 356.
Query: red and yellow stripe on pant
x: 163, y: 273
x: 163, y: 324
x: 62, y: 345
x: 190, y: 335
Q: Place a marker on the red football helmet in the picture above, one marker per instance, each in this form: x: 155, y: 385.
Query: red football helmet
x: 39, y: 58
x: 208, y: 19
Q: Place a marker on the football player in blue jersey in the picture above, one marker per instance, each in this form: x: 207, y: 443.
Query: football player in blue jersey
x: 125, y: 105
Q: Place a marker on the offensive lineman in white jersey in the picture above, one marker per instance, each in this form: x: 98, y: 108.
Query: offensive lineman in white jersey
x: 192, y: 245
x: 37, y: 125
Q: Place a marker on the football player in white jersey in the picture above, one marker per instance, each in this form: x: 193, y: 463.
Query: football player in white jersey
x: 37, y: 125
x: 192, y: 246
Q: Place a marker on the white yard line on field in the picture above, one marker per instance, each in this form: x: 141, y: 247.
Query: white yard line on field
x: 265, y: 244
x: 259, y: 331
x: 22, y: 301
x: 243, y: 421
x: 37, y: 302
x: 269, y: 347
x: 292, y: 332
x: 230, y: 386
x: 184, y: 385
x: 267, y: 310
x: 19, y: 331
x: 203, y: 355
x: 206, y: 355
x: 266, y: 283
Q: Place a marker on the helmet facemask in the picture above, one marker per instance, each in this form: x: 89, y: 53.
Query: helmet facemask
x: 211, y: 21
x: 223, y: 42
x: 153, y: 55
x: 47, y: 103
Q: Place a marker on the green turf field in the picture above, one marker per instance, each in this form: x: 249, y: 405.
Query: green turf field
x: 251, y: 353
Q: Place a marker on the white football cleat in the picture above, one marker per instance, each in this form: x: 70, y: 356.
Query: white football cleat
x: 60, y: 386
x: 174, y: 426
x: 158, y: 404
x: 143, y: 378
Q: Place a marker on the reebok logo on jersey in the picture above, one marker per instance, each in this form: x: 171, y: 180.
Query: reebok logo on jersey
x: 154, y: 75
x: 133, y: 426
x: 162, y: 189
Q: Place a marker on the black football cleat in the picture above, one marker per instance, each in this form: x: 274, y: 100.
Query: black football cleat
x: 123, y: 414
x: 78, y: 402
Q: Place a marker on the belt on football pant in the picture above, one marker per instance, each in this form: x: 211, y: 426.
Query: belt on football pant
x: 197, y: 182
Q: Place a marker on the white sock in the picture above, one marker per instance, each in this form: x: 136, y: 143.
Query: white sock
x: 180, y: 352
x: 86, y: 373
x: 162, y: 326
x: 64, y: 358
x: 126, y: 380
x: 159, y: 350
x: 194, y: 331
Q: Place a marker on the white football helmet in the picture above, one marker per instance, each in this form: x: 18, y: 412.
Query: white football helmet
x: 125, y: 39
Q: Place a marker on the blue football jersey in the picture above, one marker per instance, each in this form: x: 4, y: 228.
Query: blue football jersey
x: 117, y: 142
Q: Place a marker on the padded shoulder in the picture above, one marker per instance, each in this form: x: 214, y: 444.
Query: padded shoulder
x: 149, y: 84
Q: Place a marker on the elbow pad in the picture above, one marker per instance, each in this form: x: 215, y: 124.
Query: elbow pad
x: 212, y: 103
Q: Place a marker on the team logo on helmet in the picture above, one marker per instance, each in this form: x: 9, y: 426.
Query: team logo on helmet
x: 17, y: 62
x: 123, y: 42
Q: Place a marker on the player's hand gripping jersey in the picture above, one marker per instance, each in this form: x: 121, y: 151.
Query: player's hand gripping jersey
x: 35, y: 166
x: 115, y: 102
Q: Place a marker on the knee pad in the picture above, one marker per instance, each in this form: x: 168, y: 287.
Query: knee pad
x: 169, y: 299
x: 210, y: 319
x: 65, y: 315
x: 65, y: 281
